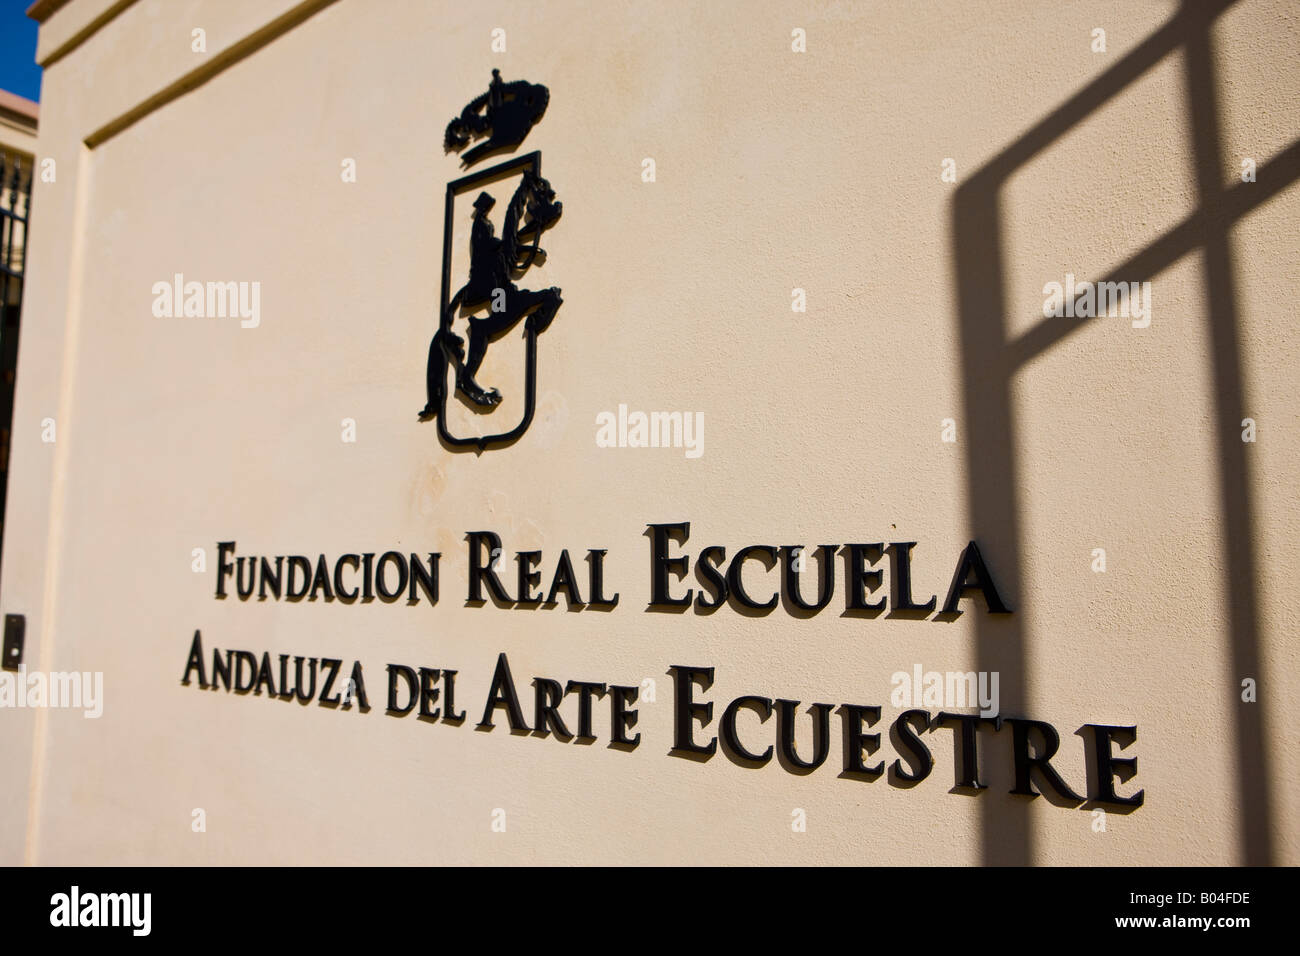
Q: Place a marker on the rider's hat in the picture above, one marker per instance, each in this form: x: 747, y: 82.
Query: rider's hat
x: 484, y: 202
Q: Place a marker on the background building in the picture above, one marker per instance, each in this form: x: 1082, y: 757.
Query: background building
x: 18, y: 117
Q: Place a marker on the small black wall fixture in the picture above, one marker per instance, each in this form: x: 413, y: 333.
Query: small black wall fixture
x: 15, y: 632
x: 509, y: 111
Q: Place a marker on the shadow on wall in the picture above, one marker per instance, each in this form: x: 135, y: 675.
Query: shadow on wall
x: 990, y: 361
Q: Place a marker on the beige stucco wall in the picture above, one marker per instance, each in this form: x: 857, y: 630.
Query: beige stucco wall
x: 775, y: 170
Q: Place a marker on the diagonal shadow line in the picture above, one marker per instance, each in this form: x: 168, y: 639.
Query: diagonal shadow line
x: 82, y: 35
x: 1092, y: 97
x: 1192, y: 233
x: 988, y: 366
x: 214, y: 66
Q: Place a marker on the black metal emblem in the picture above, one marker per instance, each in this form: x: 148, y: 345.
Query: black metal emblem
x: 507, y: 111
x: 496, y: 261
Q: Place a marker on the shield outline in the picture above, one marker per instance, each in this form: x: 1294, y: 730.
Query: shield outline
x: 455, y: 188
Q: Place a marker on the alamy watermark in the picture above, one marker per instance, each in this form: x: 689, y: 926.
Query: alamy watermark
x: 75, y: 908
x: 1087, y: 300
x: 946, y: 689
x: 23, y: 688
x: 651, y: 430
x: 211, y: 300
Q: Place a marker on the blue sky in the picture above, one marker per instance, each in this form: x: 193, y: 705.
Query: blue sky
x: 18, y: 70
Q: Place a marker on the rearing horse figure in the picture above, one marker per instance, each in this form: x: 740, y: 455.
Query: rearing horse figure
x: 493, y: 263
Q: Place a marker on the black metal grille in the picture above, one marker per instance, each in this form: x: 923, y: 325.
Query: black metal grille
x: 15, y: 213
x: 15, y: 206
